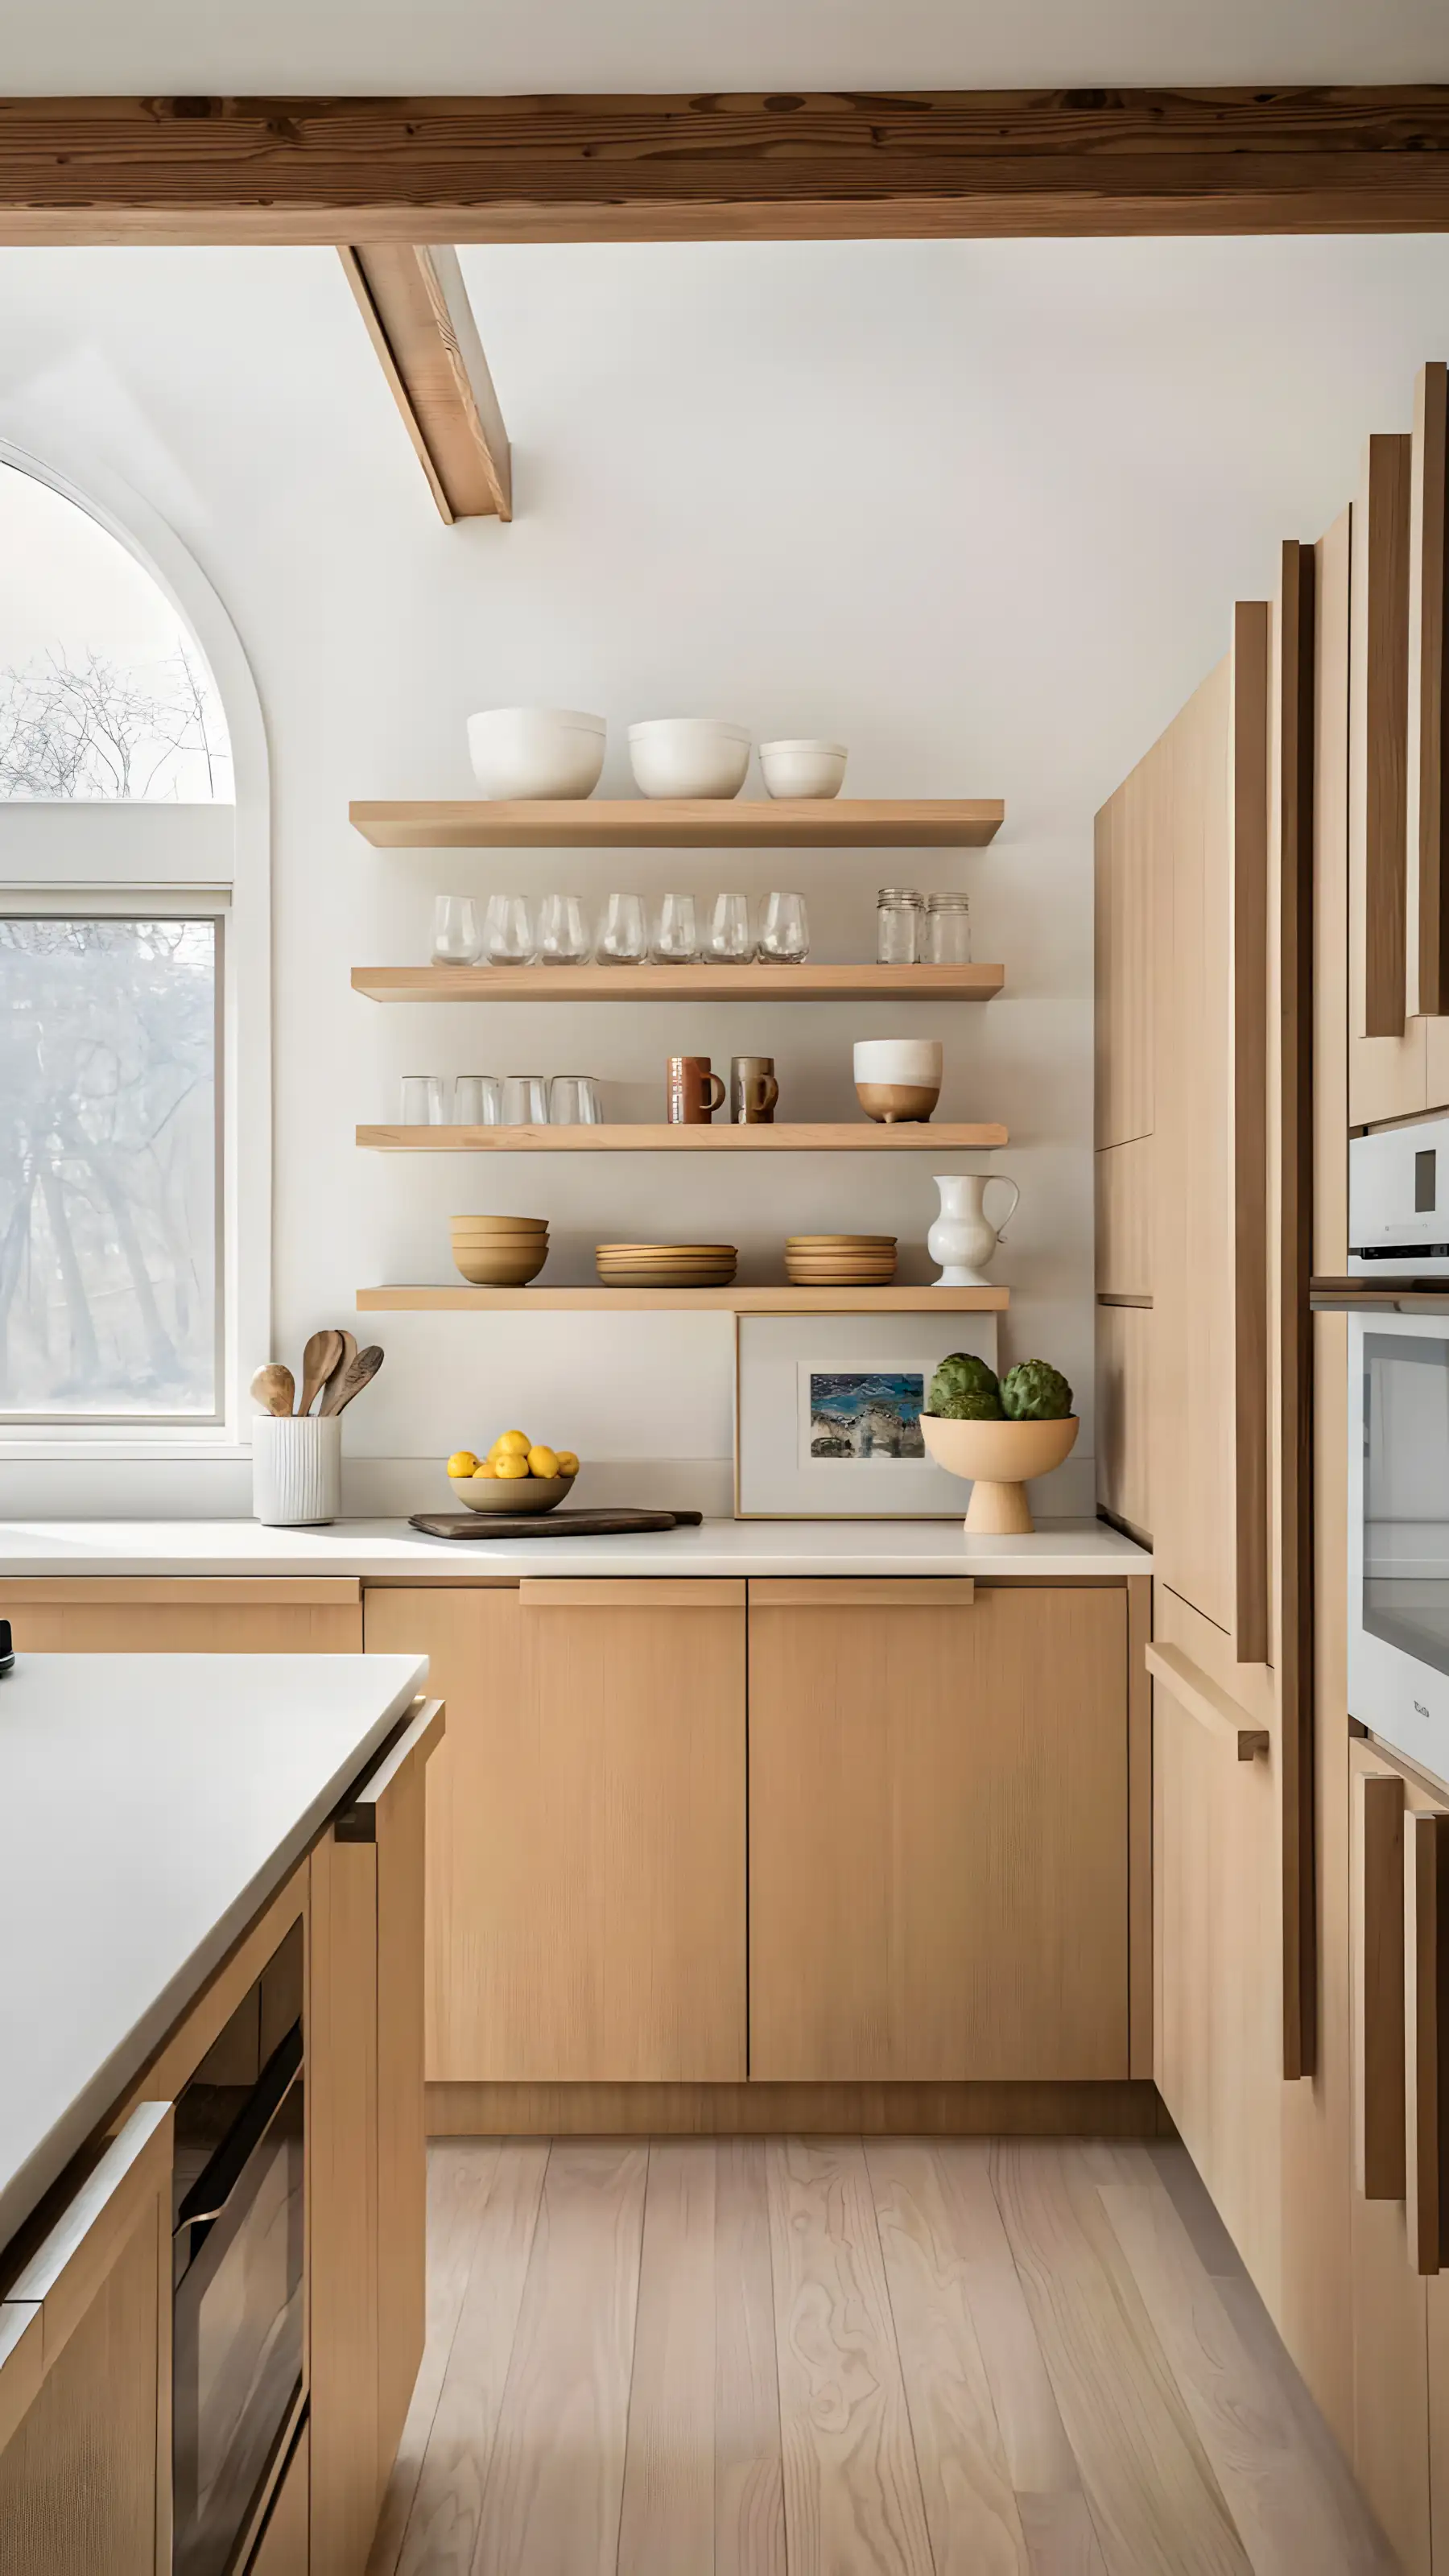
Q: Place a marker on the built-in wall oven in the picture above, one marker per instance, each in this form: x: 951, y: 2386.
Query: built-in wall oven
x: 1396, y: 1295
x: 238, y: 2269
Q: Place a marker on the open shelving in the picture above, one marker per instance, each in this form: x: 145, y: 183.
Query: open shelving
x: 702, y: 983
x: 425, y: 1300
x: 683, y: 823
x: 859, y: 1137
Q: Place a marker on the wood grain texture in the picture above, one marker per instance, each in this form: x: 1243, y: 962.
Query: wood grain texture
x: 842, y: 1594
x: 459, y: 2183
x: 1427, y: 814
x: 342, y: 2201
x: 556, y: 2482
x: 1196, y: 1691
x: 1125, y: 1416
x: 853, y: 2502
x: 735, y: 1300
x: 667, y: 2518
x: 790, y: 166
x: 701, y: 983
x: 285, y: 2545
x: 415, y: 307
x: 1125, y: 1177
x: 60, y: 1615
x: 1378, y: 1985
x: 860, y: 1137
x: 765, y: 2110
x: 401, y: 2137
x: 1250, y: 723
x: 1126, y: 933
x: 1139, y: 1826
x: 1426, y: 1997
x: 78, y: 2483
x: 971, y: 2510
x: 749, y: 2492
x: 1153, y: 2496
x: 697, y: 823
x: 932, y: 1791
x: 1387, y: 1073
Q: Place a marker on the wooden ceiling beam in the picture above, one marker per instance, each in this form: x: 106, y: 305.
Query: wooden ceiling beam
x: 790, y: 165
x: 415, y: 305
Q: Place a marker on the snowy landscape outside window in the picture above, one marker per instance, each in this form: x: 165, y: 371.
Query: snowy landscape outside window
x: 110, y: 1008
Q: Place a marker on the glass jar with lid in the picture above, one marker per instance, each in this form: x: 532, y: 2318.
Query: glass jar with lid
x: 946, y: 930
x: 897, y: 926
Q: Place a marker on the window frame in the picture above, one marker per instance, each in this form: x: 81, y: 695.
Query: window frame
x: 123, y: 857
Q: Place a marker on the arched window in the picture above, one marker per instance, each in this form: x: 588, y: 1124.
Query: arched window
x: 132, y: 988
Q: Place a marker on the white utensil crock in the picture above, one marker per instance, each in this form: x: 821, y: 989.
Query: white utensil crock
x: 296, y: 1468
x: 962, y: 1238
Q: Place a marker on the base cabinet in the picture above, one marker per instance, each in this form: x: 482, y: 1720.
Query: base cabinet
x: 184, y: 1614
x: 938, y: 1832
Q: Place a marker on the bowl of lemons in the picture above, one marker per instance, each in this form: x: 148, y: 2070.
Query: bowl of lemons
x: 517, y: 1475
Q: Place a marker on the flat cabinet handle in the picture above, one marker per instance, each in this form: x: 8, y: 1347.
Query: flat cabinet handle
x: 848, y: 1592
x: 625, y: 1592
x: 1428, y: 736
x: 1378, y: 1986
x: 422, y: 1729
x: 1198, y: 1694
x: 1250, y: 735
x: 1426, y: 1934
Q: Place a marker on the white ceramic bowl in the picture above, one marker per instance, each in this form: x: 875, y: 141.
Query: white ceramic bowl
x: 536, y: 751
x: 688, y: 756
x: 803, y: 768
x: 912, y: 1060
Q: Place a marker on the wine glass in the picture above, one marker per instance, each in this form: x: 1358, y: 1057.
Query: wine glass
x: 623, y: 939
x: 728, y: 942
x: 563, y: 931
x: 507, y: 930
x: 676, y: 932
x: 785, y: 930
x: 457, y: 940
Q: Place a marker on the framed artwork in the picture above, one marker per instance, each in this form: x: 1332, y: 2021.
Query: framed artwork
x: 828, y: 1415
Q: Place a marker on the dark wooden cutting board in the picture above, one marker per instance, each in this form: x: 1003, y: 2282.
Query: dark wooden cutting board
x: 560, y: 1524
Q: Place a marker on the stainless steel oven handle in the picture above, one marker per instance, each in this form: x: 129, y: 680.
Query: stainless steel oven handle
x: 213, y: 2188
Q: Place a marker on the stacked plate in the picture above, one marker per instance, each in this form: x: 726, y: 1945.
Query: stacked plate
x: 500, y: 1251
x: 666, y: 1265
x: 840, y: 1260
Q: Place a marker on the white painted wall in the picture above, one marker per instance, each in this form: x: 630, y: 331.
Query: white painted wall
x: 980, y: 509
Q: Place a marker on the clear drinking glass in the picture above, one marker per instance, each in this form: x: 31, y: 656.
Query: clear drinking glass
x: 477, y: 1100
x: 623, y: 938
x: 728, y: 941
x: 897, y: 926
x: 573, y: 1101
x: 947, y: 929
x: 525, y: 1100
x: 422, y: 1100
x: 563, y: 931
x: 785, y: 930
x: 457, y: 939
x: 508, y: 930
x: 676, y: 932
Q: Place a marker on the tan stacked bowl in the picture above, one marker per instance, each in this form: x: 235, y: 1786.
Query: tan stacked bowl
x: 840, y: 1260
x: 499, y: 1251
x: 666, y: 1265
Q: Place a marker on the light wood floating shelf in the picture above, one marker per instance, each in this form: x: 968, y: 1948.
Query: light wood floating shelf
x: 728, y: 1301
x: 677, y: 983
x: 686, y: 823
x: 643, y: 1138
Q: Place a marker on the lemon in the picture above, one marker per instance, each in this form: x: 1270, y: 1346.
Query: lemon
x: 511, y: 1444
x: 462, y: 1463
x: 542, y: 1462
x: 568, y: 1464
x: 485, y: 1467
x: 510, y: 1466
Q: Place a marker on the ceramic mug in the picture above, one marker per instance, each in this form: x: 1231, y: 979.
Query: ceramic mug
x: 753, y: 1091
x: 694, y: 1092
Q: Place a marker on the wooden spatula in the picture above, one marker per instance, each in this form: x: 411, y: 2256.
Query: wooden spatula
x: 274, y: 1388
x: 358, y: 1373
x: 319, y: 1359
x: 344, y: 1360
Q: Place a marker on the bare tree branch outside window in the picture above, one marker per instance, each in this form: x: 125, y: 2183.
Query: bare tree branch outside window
x: 90, y: 729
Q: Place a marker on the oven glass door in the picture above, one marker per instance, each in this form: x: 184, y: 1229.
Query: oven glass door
x: 1399, y: 1654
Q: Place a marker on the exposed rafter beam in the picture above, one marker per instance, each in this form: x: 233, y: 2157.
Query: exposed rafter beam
x: 792, y: 165
x: 416, y: 308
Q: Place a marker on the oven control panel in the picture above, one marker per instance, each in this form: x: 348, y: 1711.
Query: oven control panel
x: 1398, y: 1200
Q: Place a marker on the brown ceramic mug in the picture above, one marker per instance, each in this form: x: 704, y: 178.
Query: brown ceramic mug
x: 694, y: 1092
x: 753, y: 1091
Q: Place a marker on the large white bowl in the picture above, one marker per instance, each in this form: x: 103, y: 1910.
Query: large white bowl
x: 803, y: 768
x: 536, y: 751
x: 688, y: 756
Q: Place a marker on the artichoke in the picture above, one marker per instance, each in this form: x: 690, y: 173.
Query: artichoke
x: 1034, y: 1391
x: 964, y: 1389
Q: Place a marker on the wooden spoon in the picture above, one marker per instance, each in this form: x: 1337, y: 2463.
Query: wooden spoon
x: 358, y: 1373
x: 274, y: 1388
x: 319, y: 1359
x: 343, y: 1361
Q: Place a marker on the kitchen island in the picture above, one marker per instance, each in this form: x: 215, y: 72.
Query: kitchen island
x: 185, y: 1840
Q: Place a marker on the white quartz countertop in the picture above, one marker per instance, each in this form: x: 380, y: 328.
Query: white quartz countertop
x: 149, y: 1807
x: 392, y: 1551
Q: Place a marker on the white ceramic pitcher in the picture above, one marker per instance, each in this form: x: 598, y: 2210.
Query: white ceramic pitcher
x: 963, y: 1238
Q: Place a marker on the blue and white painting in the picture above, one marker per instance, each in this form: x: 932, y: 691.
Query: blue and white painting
x: 863, y: 1417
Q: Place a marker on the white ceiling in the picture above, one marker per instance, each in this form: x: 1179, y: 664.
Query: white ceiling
x: 357, y: 46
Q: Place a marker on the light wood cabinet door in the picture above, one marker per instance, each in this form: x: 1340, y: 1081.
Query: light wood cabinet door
x: 284, y: 2547
x: 85, y: 2374
x: 586, y: 1887
x: 184, y: 1614
x: 1388, y: 1044
x: 938, y: 1834
x: 1124, y: 1416
x: 1126, y: 871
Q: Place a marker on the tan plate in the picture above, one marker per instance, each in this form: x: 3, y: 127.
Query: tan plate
x: 502, y: 1224
x: 839, y: 1242
x: 666, y: 1251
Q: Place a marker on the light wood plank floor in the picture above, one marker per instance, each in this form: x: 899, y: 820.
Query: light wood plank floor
x: 852, y: 2357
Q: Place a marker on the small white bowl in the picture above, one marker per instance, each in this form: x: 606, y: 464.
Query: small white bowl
x: 688, y: 756
x: 803, y: 768
x: 916, y: 1060
x: 536, y: 751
